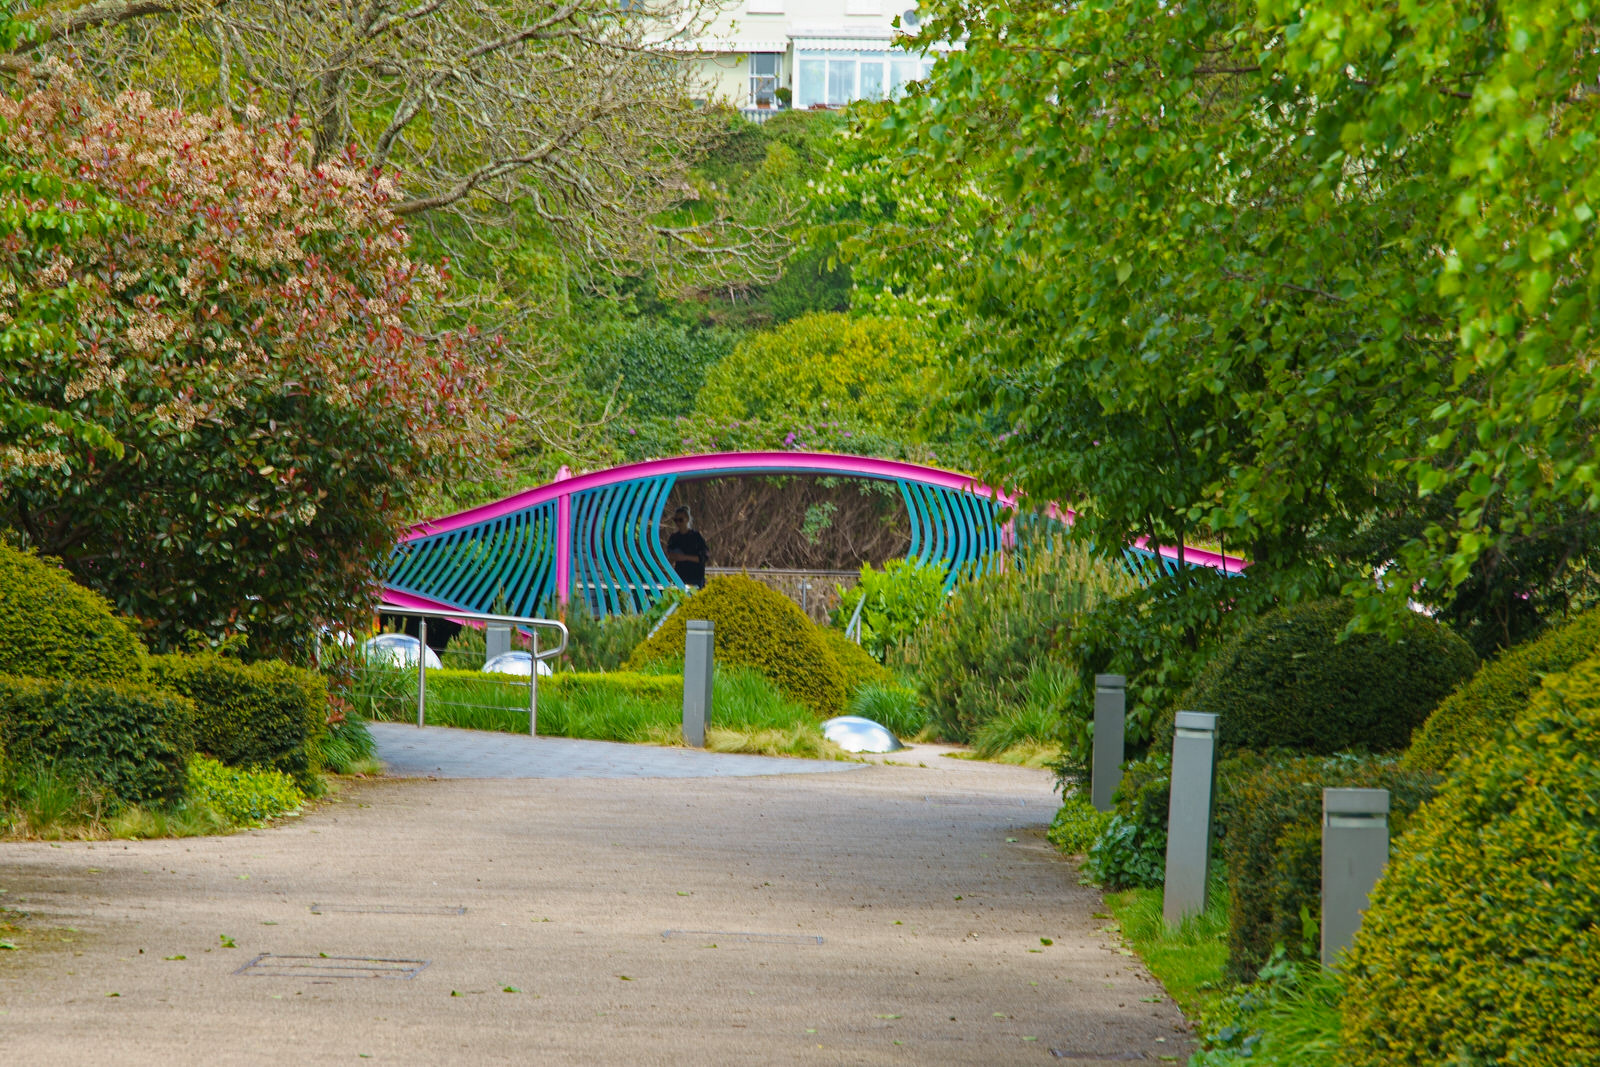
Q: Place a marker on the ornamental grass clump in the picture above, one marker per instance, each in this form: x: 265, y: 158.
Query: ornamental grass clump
x: 1482, y: 941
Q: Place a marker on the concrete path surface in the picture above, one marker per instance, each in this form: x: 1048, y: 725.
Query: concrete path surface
x: 889, y: 914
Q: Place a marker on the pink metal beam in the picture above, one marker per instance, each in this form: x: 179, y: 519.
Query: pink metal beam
x: 728, y: 463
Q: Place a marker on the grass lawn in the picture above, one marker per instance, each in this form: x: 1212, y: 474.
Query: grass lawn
x: 748, y: 714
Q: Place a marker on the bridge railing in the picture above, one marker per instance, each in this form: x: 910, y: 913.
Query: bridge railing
x: 491, y: 695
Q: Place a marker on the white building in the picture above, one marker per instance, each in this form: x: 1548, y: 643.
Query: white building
x: 825, y: 53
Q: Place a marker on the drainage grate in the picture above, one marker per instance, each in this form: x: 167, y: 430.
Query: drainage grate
x: 734, y: 935
x: 1079, y: 1054
x: 270, y: 965
x: 384, y: 909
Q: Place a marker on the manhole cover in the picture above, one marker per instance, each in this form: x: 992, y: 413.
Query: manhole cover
x: 736, y: 935
x: 384, y: 909
x: 271, y: 965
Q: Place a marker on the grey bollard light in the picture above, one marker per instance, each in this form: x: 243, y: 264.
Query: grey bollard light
x: 1110, y: 715
x: 698, y: 642
x: 1194, y: 788
x: 496, y: 639
x: 1355, y: 846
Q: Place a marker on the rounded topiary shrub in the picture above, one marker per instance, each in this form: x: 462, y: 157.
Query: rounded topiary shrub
x: 1287, y: 681
x: 52, y: 627
x: 1488, y: 703
x: 759, y: 628
x: 856, y: 665
x: 1482, y: 942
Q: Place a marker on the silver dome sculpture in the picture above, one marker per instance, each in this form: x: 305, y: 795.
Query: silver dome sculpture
x: 398, y: 650
x: 514, y: 663
x: 856, y: 734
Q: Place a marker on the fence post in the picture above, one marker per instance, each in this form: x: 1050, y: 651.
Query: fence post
x: 533, y: 682
x: 496, y: 639
x: 1110, y: 715
x: 1194, y: 787
x: 422, y: 666
x: 1355, y: 847
x: 698, y: 645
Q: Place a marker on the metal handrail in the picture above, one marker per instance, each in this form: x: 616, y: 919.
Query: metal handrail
x: 522, y: 621
x: 663, y: 620
x: 852, y: 629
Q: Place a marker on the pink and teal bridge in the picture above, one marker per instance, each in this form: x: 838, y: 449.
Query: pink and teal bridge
x: 597, y: 536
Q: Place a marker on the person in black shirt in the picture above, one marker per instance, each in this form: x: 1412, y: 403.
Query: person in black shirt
x: 687, y: 551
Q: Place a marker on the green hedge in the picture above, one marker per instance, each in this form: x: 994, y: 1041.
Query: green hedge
x: 1482, y: 942
x: 130, y: 739
x: 757, y: 627
x: 1488, y: 703
x: 51, y: 627
x: 1287, y: 681
x: 1274, y: 848
x: 263, y: 715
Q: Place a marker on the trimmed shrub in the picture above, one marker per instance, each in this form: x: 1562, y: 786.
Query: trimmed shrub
x: 1287, y: 681
x: 129, y: 738
x: 1487, y: 704
x: 974, y: 660
x: 262, y: 715
x: 899, y: 599
x: 1482, y: 942
x: 51, y: 627
x: 760, y: 628
x: 856, y: 667
x: 243, y: 797
x: 1078, y: 825
x: 1274, y: 848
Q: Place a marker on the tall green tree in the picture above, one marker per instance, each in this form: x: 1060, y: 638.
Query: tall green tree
x: 1272, y: 273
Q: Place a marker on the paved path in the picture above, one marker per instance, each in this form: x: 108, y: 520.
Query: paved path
x: 443, y: 752
x: 890, y: 915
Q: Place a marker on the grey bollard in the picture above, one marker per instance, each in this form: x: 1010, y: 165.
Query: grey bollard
x: 1110, y: 714
x: 496, y: 640
x: 1194, y: 788
x: 698, y: 643
x: 1355, y: 846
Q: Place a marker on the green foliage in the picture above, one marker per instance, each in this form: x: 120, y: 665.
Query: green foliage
x: 1158, y: 638
x: 1288, y: 681
x: 1288, y: 355
x: 349, y: 747
x: 1038, y: 724
x: 1187, y: 960
x: 973, y: 660
x: 857, y: 668
x: 1480, y: 944
x: 1131, y: 852
x: 242, y: 498
x: 894, y: 707
x: 129, y: 739
x: 1287, y: 1017
x: 1078, y: 825
x: 51, y: 627
x: 604, y: 644
x: 1487, y: 704
x: 899, y: 599
x: 1274, y: 848
x: 760, y: 628
x: 244, y: 797
x: 265, y: 715
x: 656, y: 367
x: 866, y: 371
